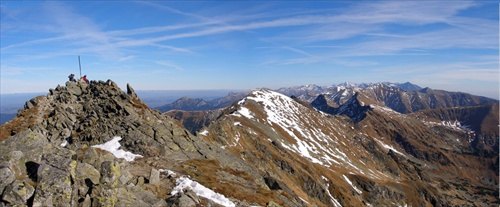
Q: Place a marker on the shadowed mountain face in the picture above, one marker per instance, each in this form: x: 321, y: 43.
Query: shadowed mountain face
x: 198, y: 104
x: 194, y: 120
x: 404, y: 101
x: 481, y: 121
x: 266, y: 149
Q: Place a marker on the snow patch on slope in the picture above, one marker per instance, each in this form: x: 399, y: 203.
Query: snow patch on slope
x: 335, y: 202
x: 305, y: 131
x: 455, y: 125
x: 113, y: 145
x: 310, y: 141
x: 243, y: 112
x: 184, y: 183
x: 352, y: 185
x: 282, y: 111
x: 204, y: 132
x: 389, y: 147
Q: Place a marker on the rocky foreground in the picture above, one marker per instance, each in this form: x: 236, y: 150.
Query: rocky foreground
x: 96, y: 145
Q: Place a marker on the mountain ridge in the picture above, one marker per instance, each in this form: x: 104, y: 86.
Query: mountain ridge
x: 338, y: 93
x: 386, y: 94
x: 47, y: 149
x: 248, y: 120
x: 265, y: 149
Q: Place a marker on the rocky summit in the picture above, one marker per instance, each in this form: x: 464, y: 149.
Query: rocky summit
x: 96, y: 145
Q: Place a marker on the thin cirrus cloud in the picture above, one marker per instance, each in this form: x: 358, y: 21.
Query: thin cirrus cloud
x: 409, y: 12
x: 169, y: 64
x: 232, y: 36
x: 328, y: 28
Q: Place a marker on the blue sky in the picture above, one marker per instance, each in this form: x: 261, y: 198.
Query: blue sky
x: 171, y: 45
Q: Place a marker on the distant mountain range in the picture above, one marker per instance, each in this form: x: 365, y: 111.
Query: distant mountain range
x: 349, y: 99
x: 198, y: 104
x: 305, y: 92
x: 401, y: 97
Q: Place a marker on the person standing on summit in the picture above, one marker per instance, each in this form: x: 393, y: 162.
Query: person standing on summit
x: 72, y: 77
x: 84, y: 79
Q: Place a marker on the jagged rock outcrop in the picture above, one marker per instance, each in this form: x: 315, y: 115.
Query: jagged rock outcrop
x: 47, y: 158
x: 321, y: 103
x: 354, y: 108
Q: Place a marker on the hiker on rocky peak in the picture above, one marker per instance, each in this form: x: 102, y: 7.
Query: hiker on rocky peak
x: 84, y: 79
x: 72, y: 77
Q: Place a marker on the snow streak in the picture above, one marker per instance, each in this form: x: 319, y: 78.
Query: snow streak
x: 184, y: 183
x: 113, y: 145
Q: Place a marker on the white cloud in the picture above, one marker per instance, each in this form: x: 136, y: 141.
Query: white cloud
x: 169, y: 64
x: 360, y: 35
x: 130, y: 57
x: 404, y: 12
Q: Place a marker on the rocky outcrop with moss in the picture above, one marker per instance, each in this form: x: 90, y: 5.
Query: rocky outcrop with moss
x: 47, y: 158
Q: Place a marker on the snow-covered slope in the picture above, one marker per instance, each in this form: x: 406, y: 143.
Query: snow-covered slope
x: 301, y: 128
x: 301, y: 145
x: 277, y: 124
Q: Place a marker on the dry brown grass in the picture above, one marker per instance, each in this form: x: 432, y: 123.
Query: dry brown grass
x: 31, y: 182
x: 20, y: 123
x: 83, y: 150
x: 138, y: 103
x: 205, y: 172
x: 161, y: 191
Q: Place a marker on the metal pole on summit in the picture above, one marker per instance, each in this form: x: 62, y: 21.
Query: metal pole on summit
x: 80, y: 65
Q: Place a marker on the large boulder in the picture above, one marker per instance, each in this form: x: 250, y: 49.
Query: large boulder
x: 56, y: 175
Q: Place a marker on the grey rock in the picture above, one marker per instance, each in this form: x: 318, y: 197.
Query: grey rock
x: 184, y: 199
x: 15, y: 155
x: 140, y: 181
x: 154, y: 177
x: 85, y: 170
x: 65, y: 133
x: 96, y: 157
x: 8, y: 167
x: 160, y: 203
x: 110, y: 172
x: 7, y: 176
x: 127, y: 197
x: 104, y: 196
x: 56, y: 174
x: 34, y: 144
x: 126, y: 177
x: 18, y: 193
x: 130, y: 91
x: 86, y: 202
x: 144, y: 195
x: 272, y: 204
x: 74, y: 88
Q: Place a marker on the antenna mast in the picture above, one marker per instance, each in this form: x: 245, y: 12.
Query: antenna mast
x: 80, y: 65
